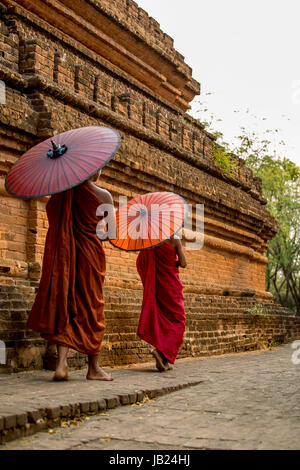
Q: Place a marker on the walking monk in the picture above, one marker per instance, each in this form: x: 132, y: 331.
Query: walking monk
x: 69, y: 305
x: 162, y: 320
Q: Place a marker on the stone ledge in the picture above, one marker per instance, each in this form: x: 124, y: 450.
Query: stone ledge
x: 25, y: 423
x: 103, y: 32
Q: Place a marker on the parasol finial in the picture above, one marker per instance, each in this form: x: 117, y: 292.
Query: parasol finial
x: 143, y: 212
x: 57, y: 150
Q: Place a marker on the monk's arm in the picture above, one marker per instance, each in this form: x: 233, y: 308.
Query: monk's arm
x: 106, y: 198
x: 180, y: 253
x: 102, y: 194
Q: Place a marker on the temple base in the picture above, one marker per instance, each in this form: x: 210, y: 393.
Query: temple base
x: 215, y: 324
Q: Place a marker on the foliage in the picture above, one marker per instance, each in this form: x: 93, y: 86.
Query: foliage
x: 273, y: 344
x: 281, y: 182
x: 224, y: 160
x: 258, y: 309
x: 265, y: 155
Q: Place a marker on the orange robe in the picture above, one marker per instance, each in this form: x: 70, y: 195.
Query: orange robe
x: 69, y: 305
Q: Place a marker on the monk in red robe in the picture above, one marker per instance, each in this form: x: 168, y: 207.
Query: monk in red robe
x: 69, y: 305
x: 162, y: 320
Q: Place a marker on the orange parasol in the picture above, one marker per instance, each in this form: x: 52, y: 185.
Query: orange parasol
x: 149, y: 220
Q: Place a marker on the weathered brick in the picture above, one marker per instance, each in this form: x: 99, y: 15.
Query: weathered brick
x: 93, y: 406
x: 124, y: 399
x: 85, y: 407
x: 132, y: 398
x: 34, y: 416
x: 22, y: 419
x: 65, y: 411
x: 10, y: 421
x: 53, y: 413
x: 102, y: 405
x: 112, y: 402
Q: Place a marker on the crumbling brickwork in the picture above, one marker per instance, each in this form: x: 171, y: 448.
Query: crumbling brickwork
x: 69, y: 64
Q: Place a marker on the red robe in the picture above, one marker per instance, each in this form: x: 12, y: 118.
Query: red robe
x: 69, y: 305
x: 162, y: 320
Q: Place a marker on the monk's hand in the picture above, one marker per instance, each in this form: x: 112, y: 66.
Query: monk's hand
x: 101, y: 230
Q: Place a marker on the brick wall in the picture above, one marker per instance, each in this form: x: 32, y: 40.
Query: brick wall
x: 57, y: 81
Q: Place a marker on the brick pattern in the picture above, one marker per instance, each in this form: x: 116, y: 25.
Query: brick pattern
x: 126, y: 36
x: 216, y: 324
x: 9, y: 47
x: 55, y: 82
x: 42, y: 55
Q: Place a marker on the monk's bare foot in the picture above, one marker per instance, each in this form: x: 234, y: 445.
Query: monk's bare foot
x: 165, y: 361
x: 159, y: 361
x: 61, y: 374
x: 61, y: 371
x: 98, y: 374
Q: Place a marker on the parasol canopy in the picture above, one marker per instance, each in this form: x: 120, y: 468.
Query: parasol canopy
x: 149, y: 220
x: 62, y: 161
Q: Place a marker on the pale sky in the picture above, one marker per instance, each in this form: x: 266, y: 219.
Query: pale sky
x: 247, y: 54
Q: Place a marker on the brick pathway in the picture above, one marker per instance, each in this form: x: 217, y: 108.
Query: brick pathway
x: 244, y: 401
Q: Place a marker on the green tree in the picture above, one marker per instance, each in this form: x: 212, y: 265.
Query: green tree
x: 280, y: 183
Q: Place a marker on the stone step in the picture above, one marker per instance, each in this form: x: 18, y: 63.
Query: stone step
x: 8, y: 325
x: 223, y: 308
x: 14, y: 305
x: 9, y: 315
x: 118, y: 300
x: 124, y: 311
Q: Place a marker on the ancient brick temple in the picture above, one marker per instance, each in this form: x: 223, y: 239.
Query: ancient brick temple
x: 73, y: 63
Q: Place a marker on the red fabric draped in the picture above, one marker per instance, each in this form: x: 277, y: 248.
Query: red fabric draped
x: 162, y: 320
x: 69, y: 305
